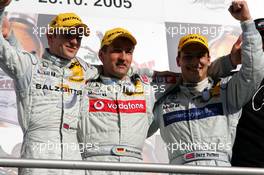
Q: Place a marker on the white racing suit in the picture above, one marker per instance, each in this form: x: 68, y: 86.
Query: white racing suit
x: 116, y: 115
x: 198, y: 123
x: 48, y: 91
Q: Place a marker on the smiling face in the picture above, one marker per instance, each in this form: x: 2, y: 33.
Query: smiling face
x: 117, y: 57
x: 194, y: 61
x: 64, y: 45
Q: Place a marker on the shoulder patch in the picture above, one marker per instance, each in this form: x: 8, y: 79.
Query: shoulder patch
x: 215, y: 91
x: 144, y: 79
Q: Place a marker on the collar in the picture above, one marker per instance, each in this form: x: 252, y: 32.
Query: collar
x: 58, y: 61
x: 196, y: 90
x: 200, y: 86
x: 112, y: 81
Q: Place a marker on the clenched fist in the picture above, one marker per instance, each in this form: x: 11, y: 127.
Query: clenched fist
x: 239, y: 10
x: 4, y: 3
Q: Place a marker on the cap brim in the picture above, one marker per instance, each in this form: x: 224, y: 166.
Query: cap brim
x: 195, y: 42
x: 127, y: 35
x: 86, y: 30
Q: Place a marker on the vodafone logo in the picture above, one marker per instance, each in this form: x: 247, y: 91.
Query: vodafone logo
x: 117, y: 106
x: 127, y: 106
x: 99, y: 105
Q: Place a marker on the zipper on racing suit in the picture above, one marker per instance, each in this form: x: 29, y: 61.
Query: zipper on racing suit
x: 62, y: 114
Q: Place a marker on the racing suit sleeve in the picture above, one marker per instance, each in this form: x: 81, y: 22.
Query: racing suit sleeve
x: 141, y: 71
x: 154, y: 89
x: 91, y: 71
x: 154, y: 125
x: 15, y: 62
x: 153, y: 128
x: 241, y: 86
x: 221, y: 67
x: 161, y: 81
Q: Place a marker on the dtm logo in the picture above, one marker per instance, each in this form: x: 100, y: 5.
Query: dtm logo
x: 117, y: 106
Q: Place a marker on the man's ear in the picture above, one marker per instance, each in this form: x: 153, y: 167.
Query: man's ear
x: 178, y: 61
x: 209, y: 60
x: 49, y: 37
x: 101, y: 55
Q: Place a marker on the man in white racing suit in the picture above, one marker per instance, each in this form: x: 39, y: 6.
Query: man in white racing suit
x: 48, y: 91
x: 198, y: 118
x: 116, y: 106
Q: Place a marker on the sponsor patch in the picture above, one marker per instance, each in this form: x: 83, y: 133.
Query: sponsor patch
x: 67, y: 126
x: 96, y: 92
x: 46, y: 72
x: 77, y: 73
x: 62, y: 88
x: 202, y: 155
x: 189, y: 156
x: 144, y: 78
x: 170, y: 105
x: 6, y: 84
x: 210, y: 110
x: 45, y: 64
x: 117, y: 106
x: 136, y: 89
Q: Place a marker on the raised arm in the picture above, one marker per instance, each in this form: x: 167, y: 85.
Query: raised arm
x: 15, y: 62
x: 243, y: 84
x: 8, y: 34
x: 223, y: 66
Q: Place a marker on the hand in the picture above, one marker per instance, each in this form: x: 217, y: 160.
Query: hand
x: 239, y: 10
x: 4, y: 3
x: 235, y: 55
x: 6, y: 27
